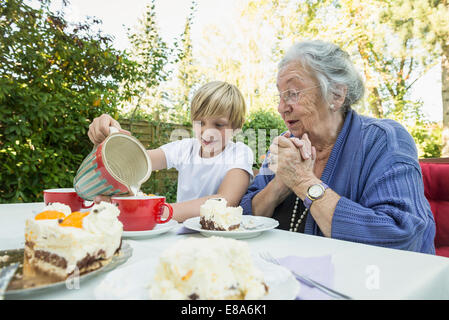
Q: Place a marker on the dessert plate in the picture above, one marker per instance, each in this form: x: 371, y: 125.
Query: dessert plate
x: 252, y: 226
x: 133, y: 282
x: 157, y: 230
x: 21, y: 285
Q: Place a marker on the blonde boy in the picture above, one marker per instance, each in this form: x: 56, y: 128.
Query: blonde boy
x: 210, y: 164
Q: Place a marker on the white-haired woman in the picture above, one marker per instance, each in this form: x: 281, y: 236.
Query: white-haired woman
x: 334, y: 172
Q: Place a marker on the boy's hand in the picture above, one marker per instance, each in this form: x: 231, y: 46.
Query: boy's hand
x: 98, y: 199
x: 99, y: 128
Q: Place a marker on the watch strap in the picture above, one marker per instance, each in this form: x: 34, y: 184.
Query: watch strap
x: 307, y: 202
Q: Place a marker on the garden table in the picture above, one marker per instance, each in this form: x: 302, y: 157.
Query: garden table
x: 360, y: 271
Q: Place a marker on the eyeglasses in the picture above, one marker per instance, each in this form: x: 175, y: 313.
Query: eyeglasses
x: 292, y: 96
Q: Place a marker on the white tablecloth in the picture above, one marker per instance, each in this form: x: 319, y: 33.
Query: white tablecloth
x: 361, y: 271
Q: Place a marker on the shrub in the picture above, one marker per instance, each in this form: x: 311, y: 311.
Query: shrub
x: 54, y: 79
x: 259, y: 130
x: 428, y: 139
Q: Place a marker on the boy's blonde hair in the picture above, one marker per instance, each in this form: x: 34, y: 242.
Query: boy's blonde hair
x: 217, y: 99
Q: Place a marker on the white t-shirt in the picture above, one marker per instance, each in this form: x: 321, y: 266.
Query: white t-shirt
x: 199, y: 177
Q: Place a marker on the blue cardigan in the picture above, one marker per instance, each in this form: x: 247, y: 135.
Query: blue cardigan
x: 374, y: 167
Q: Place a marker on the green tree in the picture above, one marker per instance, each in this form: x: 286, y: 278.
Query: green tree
x: 429, y: 23
x: 187, y: 75
x: 152, y: 55
x: 391, y: 58
x: 55, y: 78
x: 239, y: 51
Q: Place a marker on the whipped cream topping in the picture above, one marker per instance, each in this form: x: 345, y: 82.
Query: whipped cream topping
x: 103, y: 221
x: 101, y: 231
x: 217, y: 210
x: 212, y: 268
x: 57, y: 206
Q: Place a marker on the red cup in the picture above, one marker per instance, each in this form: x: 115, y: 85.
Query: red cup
x: 67, y: 196
x: 141, y: 213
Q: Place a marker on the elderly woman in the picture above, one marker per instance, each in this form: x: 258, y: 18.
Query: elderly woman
x: 334, y: 172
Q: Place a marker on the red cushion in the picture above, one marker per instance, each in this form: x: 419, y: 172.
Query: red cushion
x: 442, y: 251
x: 436, y: 189
x: 440, y: 210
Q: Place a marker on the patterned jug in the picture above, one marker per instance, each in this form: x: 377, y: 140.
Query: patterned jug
x: 117, y: 166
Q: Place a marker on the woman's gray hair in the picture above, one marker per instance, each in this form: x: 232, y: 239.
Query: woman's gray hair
x: 331, y: 66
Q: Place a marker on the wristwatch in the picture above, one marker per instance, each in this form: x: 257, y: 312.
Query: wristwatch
x: 315, y: 192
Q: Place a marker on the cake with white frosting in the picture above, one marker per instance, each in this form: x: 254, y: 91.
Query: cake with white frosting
x: 216, y: 215
x: 214, y: 268
x: 59, y: 242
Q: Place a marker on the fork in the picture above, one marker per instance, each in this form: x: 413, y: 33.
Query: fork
x: 6, y: 273
x: 310, y: 282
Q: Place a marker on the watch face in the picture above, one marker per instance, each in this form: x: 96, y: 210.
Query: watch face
x: 316, y: 191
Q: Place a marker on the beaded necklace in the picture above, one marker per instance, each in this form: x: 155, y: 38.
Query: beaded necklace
x: 292, y: 221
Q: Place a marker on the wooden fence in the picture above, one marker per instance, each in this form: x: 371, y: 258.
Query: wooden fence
x: 152, y: 134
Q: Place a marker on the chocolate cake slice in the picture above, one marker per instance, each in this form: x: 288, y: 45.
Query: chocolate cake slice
x: 59, y: 245
x: 216, y: 215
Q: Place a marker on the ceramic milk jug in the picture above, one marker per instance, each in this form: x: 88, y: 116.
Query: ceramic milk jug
x: 117, y: 166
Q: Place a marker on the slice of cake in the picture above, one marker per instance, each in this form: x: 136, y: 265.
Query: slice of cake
x: 59, y: 242
x: 212, y: 268
x: 216, y: 215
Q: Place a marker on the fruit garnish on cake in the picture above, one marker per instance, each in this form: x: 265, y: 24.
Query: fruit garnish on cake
x: 207, y: 268
x: 216, y: 215
x: 75, y: 219
x: 49, y: 214
x: 60, y: 242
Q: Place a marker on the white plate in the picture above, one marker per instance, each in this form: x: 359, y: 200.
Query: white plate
x: 157, y: 230
x: 261, y: 224
x: 134, y: 281
x: 124, y: 254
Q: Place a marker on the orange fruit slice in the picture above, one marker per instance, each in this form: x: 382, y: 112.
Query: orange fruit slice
x: 187, y: 275
x: 49, y: 214
x: 75, y: 219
